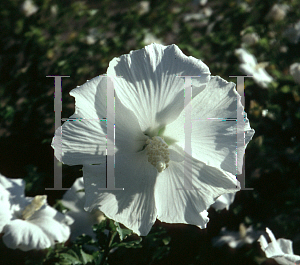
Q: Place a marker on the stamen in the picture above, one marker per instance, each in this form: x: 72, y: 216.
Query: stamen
x: 158, y: 154
x: 34, y: 206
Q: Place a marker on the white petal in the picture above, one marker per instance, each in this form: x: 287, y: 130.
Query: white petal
x: 85, y: 142
x: 53, y: 223
x: 134, y: 206
x: 287, y: 260
x: 262, y: 78
x: 246, y: 57
x: 224, y: 201
x: 16, y: 187
x: 55, y: 231
x: 4, y: 194
x: 214, y: 139
x: 74, y: 199
x: 281, y: 249
x: 263, y: 242
x: 5, y: 214
x: 175, y: 204
x: 247, y: 69
x: 25, y: 236
x: 285, y: 245
x: 149, y: 86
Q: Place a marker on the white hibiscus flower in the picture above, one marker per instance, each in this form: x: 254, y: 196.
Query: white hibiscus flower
x: 150, y: 139
x: 74, y: 200
x: 249, y: 66
x: 281, y: 249
x: 29, y: 223
x: 236, y: 239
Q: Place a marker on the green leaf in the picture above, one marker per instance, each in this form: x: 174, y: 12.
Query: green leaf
x: 70, y: 259
x: 123, y: 232
x: 86, y: 257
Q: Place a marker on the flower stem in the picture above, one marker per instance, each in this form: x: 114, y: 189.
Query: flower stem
x: 106, y: 251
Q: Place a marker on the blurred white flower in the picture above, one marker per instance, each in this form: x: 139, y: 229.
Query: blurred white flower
x: 281, y: 249
x: 249, y: 66
x: 295, y: 72
x: 292, y: 33
x: 202, y: 14
x: 277, y: 12
x: 92, y: 37
x: 199, y: 2
x: 74, y: 200
x: 29, y: 8
x: 29, y: 223
x: 264, y: 112
x: 150, y: 139
x: 236, y: 239
x: 54, y: 10
x: 150, y: 38
x: 250, y: 38
x: 143, y: 7
x: 224, y: 201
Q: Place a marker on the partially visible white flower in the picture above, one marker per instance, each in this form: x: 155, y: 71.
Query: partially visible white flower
x: 236, y: 239
x: 29, y: 223
x: 203, y: 14
x: 281, y: 249
x: 143, y: 7
x: 295, y: 72
x: 250, y: 38
x: 54, y: 10
x: 278, y: 12
x: 200, y: 2
x: 224, y: 201
x: 74, y: 200
x: 29, y: 8
x: 92, y: 37
x: 249, y: 66
x: 151, y: 38
x: 292, y: 33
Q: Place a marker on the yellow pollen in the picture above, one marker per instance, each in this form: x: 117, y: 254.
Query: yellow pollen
x: 37, y: 202
x: 158, y: 153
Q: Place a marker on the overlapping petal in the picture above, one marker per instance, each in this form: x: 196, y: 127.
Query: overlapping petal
x: 135, y: 205
x: 25, y: 236
x: 147, y: 82
x: 224, y: 201
x: 214, y: 136
x: 177, y: 203
x: 74, y: 200
x: 85, y: 141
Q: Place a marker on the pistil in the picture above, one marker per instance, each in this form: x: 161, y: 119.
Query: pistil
x: 158, y: 153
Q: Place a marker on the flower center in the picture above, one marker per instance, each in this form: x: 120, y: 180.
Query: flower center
x: 158, y: 153
x: 36, y: 204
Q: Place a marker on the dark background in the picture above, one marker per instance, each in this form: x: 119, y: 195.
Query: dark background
x: 55, y: 43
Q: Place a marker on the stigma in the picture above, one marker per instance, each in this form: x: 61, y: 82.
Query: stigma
x: 158, y: 153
